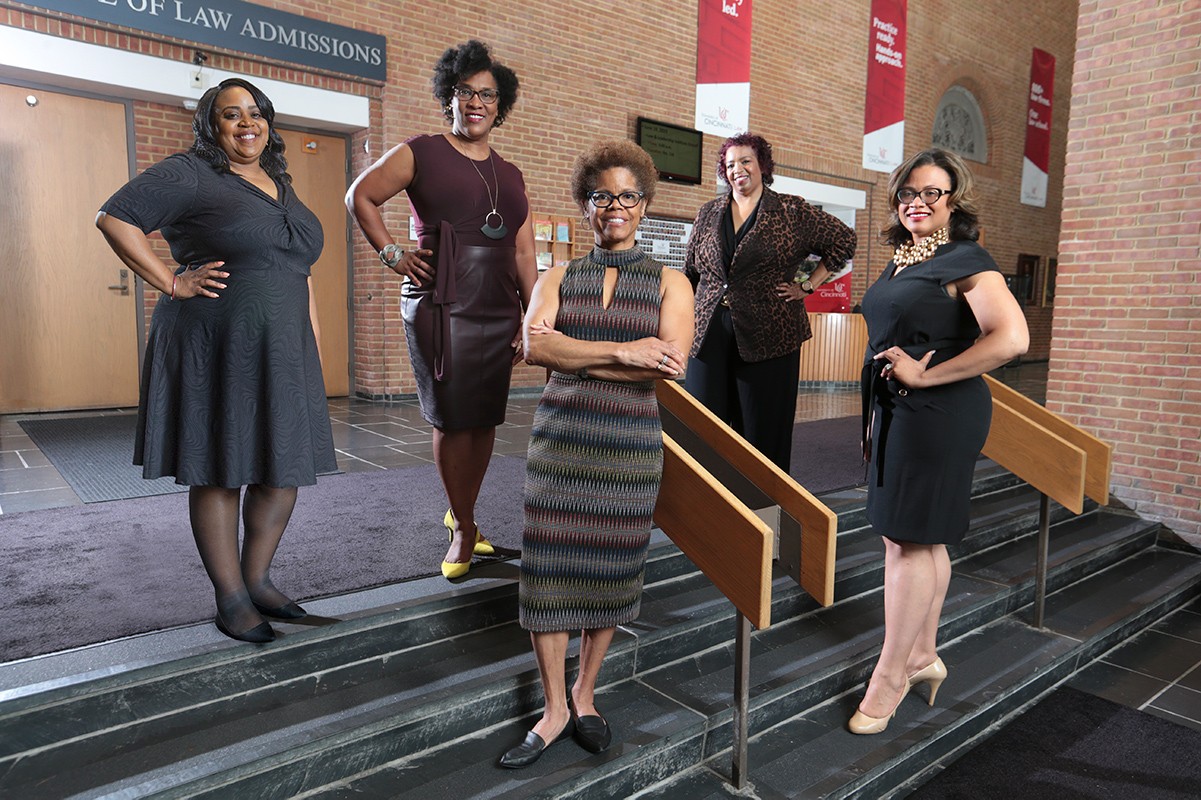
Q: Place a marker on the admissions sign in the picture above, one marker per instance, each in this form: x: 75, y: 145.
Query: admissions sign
x: 723, y: 66
x: 884, y: 106
x: 1036, y: 165
x: 243, y: 27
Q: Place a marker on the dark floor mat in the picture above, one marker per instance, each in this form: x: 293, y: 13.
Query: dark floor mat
x: 827, y: 455
x: 90, y: 573
x: 1075, y: 745
x: 95, y: 455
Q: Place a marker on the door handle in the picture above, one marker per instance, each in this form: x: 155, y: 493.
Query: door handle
x: 124, y: 284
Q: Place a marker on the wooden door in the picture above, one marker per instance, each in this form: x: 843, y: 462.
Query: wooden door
x: 67, y: 340
x: 317, y: 165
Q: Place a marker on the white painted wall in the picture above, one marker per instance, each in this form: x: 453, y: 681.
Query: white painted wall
x: 55, y: 61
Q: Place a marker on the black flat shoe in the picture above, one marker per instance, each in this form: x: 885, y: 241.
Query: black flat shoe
x: 288, y: 610
x: 533, y: 747
x: 259, y: 634
x: 592, y: 732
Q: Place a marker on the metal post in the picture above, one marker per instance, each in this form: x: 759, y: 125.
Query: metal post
x: 1044, y: 544
x: 742, y: 691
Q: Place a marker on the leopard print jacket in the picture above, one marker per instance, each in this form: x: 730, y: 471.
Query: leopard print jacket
x: 786, y: 231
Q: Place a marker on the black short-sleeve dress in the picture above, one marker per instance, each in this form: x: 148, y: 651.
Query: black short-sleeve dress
x: 923, y: 442
x: 231, y: 391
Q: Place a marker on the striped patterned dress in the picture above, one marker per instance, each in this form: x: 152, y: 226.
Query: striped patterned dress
x: 595, y: 461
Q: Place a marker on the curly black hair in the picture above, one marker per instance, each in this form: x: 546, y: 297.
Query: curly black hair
x: 461, y: 62
x: 204, y: 128
x: 762, y: 148
x: 607, y: 155
x: 965, y: 210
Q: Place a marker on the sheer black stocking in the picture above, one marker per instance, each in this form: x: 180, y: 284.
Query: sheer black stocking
x: 214, y: 514
x: 265, y: 514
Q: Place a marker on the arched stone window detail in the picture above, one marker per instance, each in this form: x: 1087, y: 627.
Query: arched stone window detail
x: 959, y: 125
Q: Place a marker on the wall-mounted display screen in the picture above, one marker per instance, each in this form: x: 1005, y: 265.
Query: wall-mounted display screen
x: 676, y: 150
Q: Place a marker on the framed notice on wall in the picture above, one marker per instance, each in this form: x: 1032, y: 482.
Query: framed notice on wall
x: 665, y: 239
x: 1049, y: 281
x: 1023, y: 279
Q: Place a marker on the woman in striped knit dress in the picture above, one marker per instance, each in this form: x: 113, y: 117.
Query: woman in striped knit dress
x: 608, y: 326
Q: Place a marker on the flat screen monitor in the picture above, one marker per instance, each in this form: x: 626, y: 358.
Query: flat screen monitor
x: 676, y: 150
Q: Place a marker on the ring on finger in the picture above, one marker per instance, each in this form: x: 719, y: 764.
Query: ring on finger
x: 663, y: 360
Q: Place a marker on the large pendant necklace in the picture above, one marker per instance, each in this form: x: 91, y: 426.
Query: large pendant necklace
x: 488, y: 229
x: 909, y: 254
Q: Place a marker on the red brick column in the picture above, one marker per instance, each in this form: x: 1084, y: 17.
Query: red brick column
x: 1126, y: 346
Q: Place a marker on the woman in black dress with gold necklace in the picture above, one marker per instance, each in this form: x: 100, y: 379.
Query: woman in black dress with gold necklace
x: 938, y: 317
x: 468, y: 279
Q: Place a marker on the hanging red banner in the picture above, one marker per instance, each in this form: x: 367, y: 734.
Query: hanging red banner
x: 1036, y: 165
x: 723, y: 66
x: 884, y: 105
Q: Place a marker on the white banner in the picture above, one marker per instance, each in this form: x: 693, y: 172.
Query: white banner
x: 723, y: 109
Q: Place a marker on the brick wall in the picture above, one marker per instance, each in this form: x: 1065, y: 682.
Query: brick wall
x: 807, y: 75
x: 1126, y: 352
x: 159, y: 131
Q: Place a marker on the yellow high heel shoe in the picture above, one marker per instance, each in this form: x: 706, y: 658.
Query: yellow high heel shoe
x: 455, y: 569
x: 933, y: 675
x: 864, y: 725
x: 483, y: 547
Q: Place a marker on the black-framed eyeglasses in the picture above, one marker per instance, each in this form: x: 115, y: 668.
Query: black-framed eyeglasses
x: 488, y: 96
x: 929, y: 196
x: 626, y: 199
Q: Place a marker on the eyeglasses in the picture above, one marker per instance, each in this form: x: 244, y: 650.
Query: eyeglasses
x: 929, y: 196
x: 488, y: 96
x: 626, y: 199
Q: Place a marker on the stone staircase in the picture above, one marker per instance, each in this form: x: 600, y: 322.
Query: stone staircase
x: 418, y: 699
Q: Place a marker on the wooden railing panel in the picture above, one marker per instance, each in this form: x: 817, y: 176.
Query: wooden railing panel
x: 835, y: 353
x: 1097, y: 467
x: 1046, y: 461
x: 819, y: 525
x: 731, y: 545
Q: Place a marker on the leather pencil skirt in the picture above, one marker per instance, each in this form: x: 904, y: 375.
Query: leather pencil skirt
x: 460, y: 329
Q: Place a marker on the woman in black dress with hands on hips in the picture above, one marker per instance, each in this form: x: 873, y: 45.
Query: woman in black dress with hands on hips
x: 232, y: 393
x: 938, y: 317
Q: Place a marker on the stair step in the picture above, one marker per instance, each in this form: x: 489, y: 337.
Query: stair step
x: 314, y: 673
x: 994, y: 672
x: 698, y: 684
x: 434, y: 689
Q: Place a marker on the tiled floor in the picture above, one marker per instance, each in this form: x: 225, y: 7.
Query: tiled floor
x: 1159, y: 671
x: 373, y: 436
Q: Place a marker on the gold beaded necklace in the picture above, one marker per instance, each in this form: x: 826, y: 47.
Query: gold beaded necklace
x: 909, y: 254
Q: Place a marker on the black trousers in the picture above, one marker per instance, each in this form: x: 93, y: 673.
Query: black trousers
x: 757, y: 399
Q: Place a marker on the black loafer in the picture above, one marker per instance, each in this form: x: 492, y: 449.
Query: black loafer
x: 288, y: 610
x: 591, y: 732
x: 532, y: 748
x: 259, y: 634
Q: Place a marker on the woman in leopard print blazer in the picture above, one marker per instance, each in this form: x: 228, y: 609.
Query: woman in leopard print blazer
x: 750, y: 313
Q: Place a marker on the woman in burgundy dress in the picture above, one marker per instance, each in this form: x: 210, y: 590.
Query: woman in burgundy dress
x: 468, y: 279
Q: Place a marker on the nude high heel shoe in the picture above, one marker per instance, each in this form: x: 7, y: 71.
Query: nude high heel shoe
x: 933, y: 675
x: 864, y: 725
